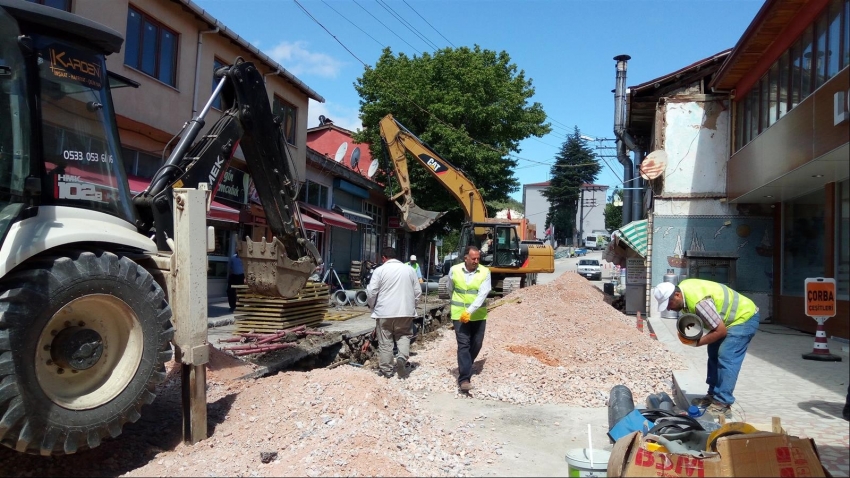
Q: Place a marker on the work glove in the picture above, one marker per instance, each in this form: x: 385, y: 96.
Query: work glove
x: 464, y: 317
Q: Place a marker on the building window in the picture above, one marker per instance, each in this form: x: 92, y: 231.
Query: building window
x: 151, y: 47
x: 314, y: 194
x: 803, y: 240
x: 372, y: 233
x: 816, y: 56
x: 140, y: 164
x: 288, y: 114
x: 60, y: 4
x: 216, y: 65
x: 843, y: 241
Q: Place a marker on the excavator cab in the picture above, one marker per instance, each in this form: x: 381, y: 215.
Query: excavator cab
x: 500, y: 245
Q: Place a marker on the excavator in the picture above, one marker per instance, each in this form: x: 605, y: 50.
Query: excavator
x: 509, y: 248
x: 86, y: 268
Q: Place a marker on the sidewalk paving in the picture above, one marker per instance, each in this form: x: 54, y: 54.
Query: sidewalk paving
x: 775, y: 381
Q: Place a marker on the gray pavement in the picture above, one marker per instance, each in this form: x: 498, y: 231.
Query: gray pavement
x: 775, y: 381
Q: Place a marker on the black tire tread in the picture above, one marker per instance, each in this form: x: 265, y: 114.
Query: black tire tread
x: 32, y: 285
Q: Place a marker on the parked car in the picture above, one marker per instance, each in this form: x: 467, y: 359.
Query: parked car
x: 590, y: 268
x: 579, y: 251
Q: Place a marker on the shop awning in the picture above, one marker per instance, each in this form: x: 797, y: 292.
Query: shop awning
x: 355, y: 216
x: 633, y: 235
x: 218, y: 211
x: 311, y: 224
x: 329, y: 217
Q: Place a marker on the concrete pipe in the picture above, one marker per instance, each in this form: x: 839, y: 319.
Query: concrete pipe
x: 360, y: 298
x: 689, y: 327
x: 343, y: 297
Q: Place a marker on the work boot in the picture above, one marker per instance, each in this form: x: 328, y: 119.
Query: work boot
x: 401, y: 367
x: 702, y: 402
x: 465, y: 386
x: 716, y: 409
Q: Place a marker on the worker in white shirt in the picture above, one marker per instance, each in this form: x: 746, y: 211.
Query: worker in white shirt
x: 468, y: 286
x: 392, y: 294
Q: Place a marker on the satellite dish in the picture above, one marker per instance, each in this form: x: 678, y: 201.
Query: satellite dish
x: 373, y: 168
x: 340, y: 152
x: 653, y: 165
x: 355, y: 157
x: 322, y: 119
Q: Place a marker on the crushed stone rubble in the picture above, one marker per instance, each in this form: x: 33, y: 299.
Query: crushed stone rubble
x: 553, y: 343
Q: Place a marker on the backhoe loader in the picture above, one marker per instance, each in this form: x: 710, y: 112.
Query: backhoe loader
x: 85, y: 268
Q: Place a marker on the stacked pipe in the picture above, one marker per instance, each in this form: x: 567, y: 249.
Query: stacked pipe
x: 260, y: 342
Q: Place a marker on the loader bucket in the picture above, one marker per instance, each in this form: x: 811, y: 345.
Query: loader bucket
x: 418, y: 219
x: 269, y: 272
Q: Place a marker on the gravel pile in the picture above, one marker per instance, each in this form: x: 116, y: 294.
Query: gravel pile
x: 553, y: 343
x: 560, y: 344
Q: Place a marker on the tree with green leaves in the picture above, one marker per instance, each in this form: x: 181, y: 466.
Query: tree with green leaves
x: 575, y: 164
x: 470, y: 105
x: 614, y: 210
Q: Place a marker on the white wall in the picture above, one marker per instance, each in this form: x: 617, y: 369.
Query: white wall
x: 696, y: 142
x: 536, y: 207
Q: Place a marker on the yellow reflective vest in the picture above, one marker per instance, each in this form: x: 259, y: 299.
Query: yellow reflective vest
x: 733, y: 307
x: 464, y: 294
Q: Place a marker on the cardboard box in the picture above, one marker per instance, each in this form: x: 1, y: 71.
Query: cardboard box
x: 754, y: 454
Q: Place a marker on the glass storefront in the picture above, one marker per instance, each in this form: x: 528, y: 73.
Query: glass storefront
x: 803, y: 241
x: 842, y: 269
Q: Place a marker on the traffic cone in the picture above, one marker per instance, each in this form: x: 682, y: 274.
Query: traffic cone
x: 639, y: 322
x: 821, y: 348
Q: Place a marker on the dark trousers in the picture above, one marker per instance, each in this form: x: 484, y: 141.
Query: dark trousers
x: 470, y: 338
x: 233, y: 279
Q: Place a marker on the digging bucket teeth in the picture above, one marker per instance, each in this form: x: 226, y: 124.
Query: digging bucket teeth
x: 418, y: 219
x: 268, y: 270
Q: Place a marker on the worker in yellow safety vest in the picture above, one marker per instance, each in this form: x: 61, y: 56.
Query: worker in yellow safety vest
x: 415, y: 265
x: 468, y: 286
x: 731, y: 321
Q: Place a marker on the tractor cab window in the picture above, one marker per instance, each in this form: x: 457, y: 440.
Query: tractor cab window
x: 507, y: 247
x: 14, y: 122
x: 80, y: 145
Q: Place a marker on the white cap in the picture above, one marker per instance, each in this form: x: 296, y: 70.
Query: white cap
x: 413, y: 257
x: 662, y: 294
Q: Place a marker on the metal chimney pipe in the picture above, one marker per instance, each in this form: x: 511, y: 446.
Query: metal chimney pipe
x: 620, y: 133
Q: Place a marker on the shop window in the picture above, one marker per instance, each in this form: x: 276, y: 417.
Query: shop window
x: 842, y: 276
x: 784, y: 72
x: 807, y: 64
x: 803, y: 242
x: 796, y: 73
x: 140, y: 164
x: 772, y: 94
x: 820, y: 53
x: 372, y: 232
x: 833, y: 50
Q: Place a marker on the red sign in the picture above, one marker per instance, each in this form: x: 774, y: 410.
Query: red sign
x: 820, y: 297
x: 393, y: 222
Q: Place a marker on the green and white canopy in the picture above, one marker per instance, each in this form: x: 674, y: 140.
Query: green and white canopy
x: 634, y: 235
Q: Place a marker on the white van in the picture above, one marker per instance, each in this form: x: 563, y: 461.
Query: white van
x: 590, y: 242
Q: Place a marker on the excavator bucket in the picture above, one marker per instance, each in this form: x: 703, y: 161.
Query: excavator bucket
x: 417, y: 219
x: 269, y: 272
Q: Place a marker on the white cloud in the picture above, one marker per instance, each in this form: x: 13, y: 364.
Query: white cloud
x: 342, y: 116
x: 298, y: 60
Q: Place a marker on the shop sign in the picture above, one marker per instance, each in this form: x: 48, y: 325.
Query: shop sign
x: 820, y: 297
x: 232, y: 187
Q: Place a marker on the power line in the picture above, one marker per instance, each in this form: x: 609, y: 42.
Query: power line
x: 429, y: 24
x: 406, y: 24
x: 401, y: 92
x: 355, y: 25
x: 376, y: 19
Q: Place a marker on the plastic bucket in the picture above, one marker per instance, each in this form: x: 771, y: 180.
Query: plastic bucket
x: 578, y: 462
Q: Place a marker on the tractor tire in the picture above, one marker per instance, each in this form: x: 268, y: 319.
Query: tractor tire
x: 83, y: 343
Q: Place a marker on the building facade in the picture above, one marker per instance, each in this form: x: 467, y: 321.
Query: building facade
x: 748, y: 162
x: 590, y: 214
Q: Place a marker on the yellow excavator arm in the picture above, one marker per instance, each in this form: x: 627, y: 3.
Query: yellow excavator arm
x: 399, y: 141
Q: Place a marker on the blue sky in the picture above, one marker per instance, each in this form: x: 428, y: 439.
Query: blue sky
x: 566, y: 47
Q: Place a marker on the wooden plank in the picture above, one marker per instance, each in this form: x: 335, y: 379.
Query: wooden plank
x: 337, y: 316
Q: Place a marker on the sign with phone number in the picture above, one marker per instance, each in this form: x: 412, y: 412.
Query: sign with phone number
x: 91, y: 157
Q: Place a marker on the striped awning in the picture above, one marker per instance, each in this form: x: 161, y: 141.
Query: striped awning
x: 633, y: 235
